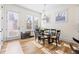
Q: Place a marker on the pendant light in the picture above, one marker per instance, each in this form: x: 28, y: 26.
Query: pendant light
x: 44, y: 16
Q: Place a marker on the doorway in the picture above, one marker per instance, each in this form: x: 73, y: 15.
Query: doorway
x: 13, y: 30
x: 1, y: 36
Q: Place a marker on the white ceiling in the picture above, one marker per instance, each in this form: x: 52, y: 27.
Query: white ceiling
x: 40, y: 7
x: 34, y: 7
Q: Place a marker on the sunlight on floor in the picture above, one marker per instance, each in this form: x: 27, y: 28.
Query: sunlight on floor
x: 13, y: 48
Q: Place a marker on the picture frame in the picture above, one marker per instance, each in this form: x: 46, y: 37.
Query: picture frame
x: 61, y: 16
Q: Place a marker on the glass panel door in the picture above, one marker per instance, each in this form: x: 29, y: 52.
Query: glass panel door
x: 12, y: 25
x: 1, y: 36
x: 0, y: 28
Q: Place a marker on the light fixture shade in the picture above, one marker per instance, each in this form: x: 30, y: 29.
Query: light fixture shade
x: 45, y: 17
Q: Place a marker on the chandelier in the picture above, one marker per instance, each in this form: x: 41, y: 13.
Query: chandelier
x: 44, y: 16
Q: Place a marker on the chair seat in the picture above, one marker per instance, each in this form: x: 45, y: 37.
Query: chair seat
x: 42, y: 37
x: 53, y: 36
x: 45, y: 36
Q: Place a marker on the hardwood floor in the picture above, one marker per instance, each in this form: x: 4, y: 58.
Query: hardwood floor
x: 62, y: 48
x: 30, y: 46
x: 3, y: 48
x: 14, y: 47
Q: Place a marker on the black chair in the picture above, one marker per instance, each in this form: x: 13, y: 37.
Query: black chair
x: 47, y: 34
x: 58, y: 36
x: 75, y: 51
x: 36, y: 32
x: 75, y: 40
x: 41, y: 37
x: 46, y: 30
x: 53, y: 35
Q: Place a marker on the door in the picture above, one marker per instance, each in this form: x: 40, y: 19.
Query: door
x: 13, y: 31
x: 1, y: 36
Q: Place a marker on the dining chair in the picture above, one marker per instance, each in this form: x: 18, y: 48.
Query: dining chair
x: 53, y: 35
x: 36, y: 32
x: 47, y: 35
x: 58, y: 36
x: 74, y: 50
x: 41, y: 37
x: 76, y: 40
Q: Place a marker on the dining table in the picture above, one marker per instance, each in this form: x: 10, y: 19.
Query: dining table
x: 50, y: 40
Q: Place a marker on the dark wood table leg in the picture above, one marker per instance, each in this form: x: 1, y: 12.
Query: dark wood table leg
x: 49, y: 40
x: 56, y: 42
x: 43, y: 41
x: 39, y: 39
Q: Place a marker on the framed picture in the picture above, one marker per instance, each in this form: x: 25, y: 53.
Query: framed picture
x: 61, y: 16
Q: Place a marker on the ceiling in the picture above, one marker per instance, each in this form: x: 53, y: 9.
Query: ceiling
x: 40, y: 7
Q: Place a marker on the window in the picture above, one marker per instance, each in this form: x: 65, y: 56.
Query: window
x: 29, y: 22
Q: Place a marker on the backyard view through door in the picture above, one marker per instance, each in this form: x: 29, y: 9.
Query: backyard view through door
x: 1, y: 37
x: 12, y: 25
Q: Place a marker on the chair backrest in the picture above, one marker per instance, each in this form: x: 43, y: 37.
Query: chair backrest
x: 58, y: 33
x: 36, y: 32
x: 75, y: 40
x: 53, y: 32
x: 41, y: 32
x: 46, y: 31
